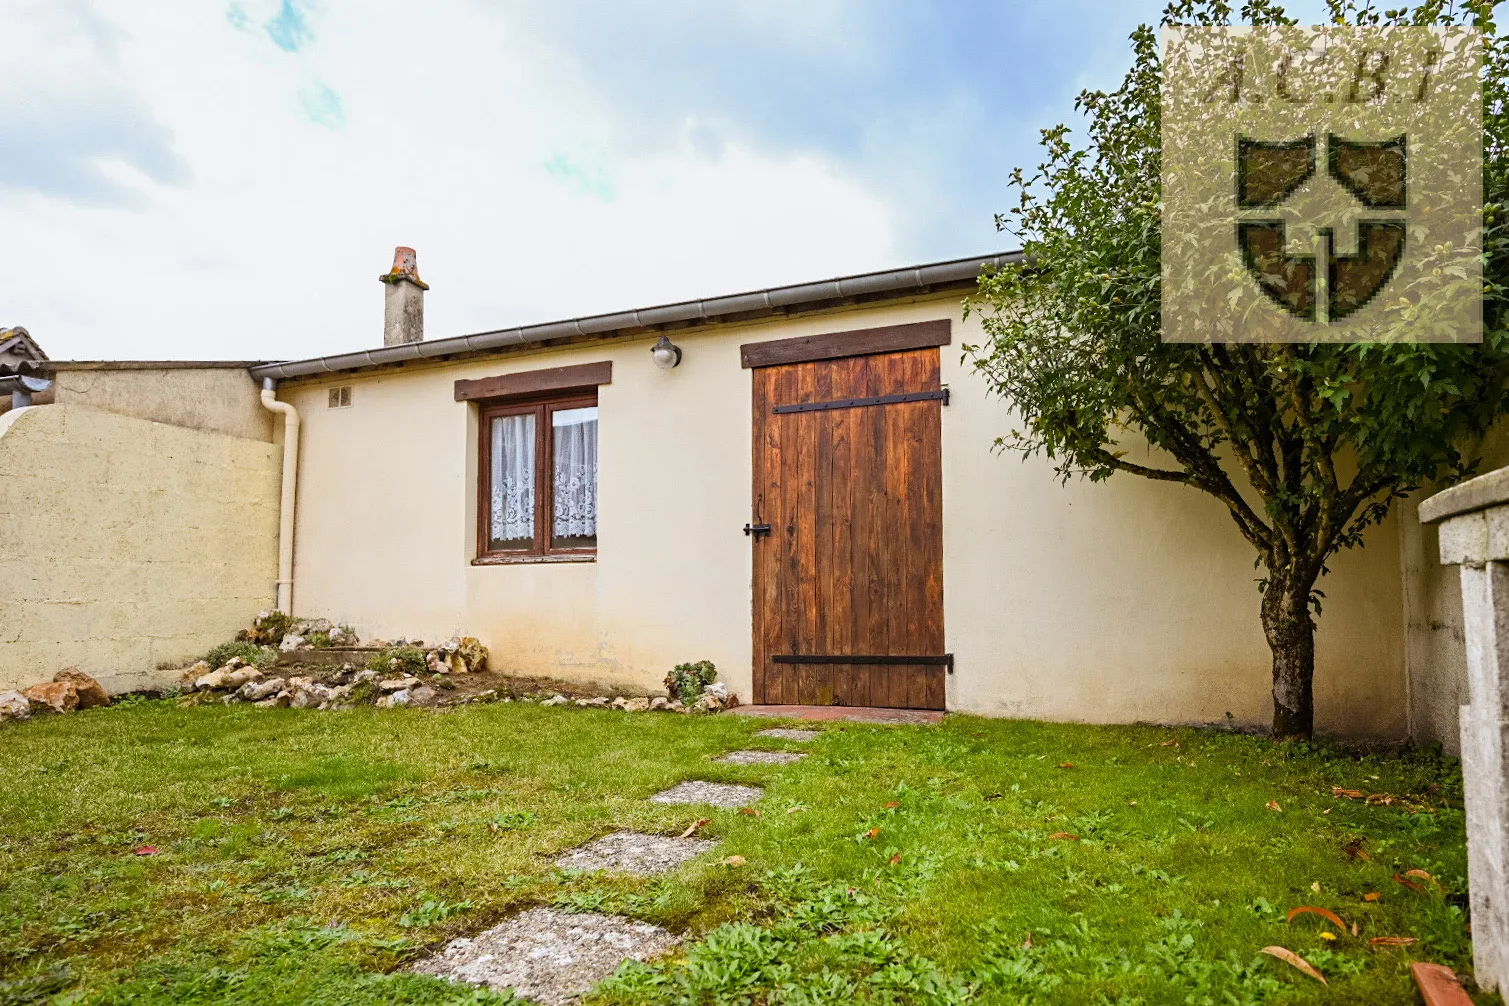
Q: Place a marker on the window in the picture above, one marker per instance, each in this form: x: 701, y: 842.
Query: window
x: 340, y: 398
x: 538, y: 468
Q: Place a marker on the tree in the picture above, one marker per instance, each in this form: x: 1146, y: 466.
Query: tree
x: 1307, y: 445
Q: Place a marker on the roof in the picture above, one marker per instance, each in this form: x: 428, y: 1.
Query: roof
x: 18, y: 340
x: 845, y: 290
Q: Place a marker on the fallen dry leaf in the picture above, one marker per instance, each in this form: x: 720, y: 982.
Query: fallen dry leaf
x: 1064, y: 834
x: 1273, y: 806
x: 749, y: 812
x: 1172, y: 742
x: 1066, y: 764
x: 695, y: 825
x: 734, y: 861
x: 891, y: 805
x: 1371, y: 896
x: 1424, y: 876
x: 1417, y: 888
x: 895, y: 859
x: 1350, y: 794
x: 872, y: 833
x: 1324, y: 913
x: 1315, y: 886
x: 1354, y: 850
x: 1354, y: 929
x: 1392, y: 941
x: 796, y: 810
x: 1295, y: 960
x: 145, y: 850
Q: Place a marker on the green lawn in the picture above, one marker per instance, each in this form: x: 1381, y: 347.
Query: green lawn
x: 305, y: 856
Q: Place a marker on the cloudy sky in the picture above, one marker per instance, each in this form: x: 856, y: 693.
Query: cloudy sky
x: 227, y: 178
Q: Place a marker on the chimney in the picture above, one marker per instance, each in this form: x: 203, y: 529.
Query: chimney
x: 403, y: 310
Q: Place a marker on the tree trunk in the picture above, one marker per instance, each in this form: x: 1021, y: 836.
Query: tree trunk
x: 1291, y: 637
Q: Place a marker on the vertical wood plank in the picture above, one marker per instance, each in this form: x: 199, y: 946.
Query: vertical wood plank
x: 788, y: 388
x: 814, y: 685
x: 856, y: 691
x: 765, y: 451
x: 930, y: 502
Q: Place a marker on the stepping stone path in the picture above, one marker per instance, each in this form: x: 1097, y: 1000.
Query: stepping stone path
x: 791, y: 735
x: 548, y: 956
x: 761, y: 757
x: 717, y: 794
x: 634, y: 853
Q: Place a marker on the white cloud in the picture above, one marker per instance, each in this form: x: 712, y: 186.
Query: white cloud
x: 434, y: 126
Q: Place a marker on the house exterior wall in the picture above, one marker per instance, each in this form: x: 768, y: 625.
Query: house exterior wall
x: 126, y: 543
x: 1120, y: 601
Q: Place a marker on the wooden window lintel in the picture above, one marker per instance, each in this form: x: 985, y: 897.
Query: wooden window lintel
x: 533, y: 382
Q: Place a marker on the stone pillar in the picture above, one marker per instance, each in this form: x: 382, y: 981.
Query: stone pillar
x: 403, y: 310
x: 1474, y: 519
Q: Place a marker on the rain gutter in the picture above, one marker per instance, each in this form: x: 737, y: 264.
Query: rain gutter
x: 874, y: 285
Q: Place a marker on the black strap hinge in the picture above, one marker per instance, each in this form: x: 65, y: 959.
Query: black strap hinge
x: 934, y: 660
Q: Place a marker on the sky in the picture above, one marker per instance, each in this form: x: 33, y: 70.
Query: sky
x: 226, y: 179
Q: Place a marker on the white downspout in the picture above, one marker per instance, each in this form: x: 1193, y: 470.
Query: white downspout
x: 290, y: 491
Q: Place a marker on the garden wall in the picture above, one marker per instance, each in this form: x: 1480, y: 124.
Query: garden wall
x: 126, y: 544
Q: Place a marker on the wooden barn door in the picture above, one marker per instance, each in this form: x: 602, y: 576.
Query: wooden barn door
x: 848, y: 580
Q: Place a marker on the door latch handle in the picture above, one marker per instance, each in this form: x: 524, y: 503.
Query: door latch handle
x: 755, y: 530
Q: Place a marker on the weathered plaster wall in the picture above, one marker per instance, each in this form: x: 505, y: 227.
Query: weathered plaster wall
x: 126, y: 543
x: 214, y: 399
x: 1126, y: 600
x: 1435, y: 648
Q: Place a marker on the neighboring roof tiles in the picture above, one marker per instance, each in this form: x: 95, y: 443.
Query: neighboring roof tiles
x: 809, y: 296
x: 17, y: 339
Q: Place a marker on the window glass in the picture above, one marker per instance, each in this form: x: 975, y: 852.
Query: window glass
x: 512, y: 511
x: 574, y: 488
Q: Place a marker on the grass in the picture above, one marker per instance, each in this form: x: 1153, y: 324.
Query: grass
x: 304, y: 857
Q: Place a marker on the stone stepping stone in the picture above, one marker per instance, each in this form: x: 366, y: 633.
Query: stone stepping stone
x: 634, y: 853
x: 786, y: 734
x: 546, y: 955
x: 717, y: 794
x: 761, y: 757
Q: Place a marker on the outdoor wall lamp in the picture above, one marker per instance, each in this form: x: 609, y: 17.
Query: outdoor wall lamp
x: 665, y: 353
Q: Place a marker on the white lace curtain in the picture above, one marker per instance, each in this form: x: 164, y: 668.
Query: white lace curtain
x: 513, y: 479
x: 575, y: 486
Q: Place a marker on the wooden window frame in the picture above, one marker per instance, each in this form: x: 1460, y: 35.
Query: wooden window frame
x: 541, y: 406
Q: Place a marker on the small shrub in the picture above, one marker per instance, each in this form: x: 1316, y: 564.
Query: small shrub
x: 319, y: 640
x: 687, y: 681
x: 262, y: 656
x: 408, y: 659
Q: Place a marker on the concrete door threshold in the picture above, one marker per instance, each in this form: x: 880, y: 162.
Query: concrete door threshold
x: 853, y: 714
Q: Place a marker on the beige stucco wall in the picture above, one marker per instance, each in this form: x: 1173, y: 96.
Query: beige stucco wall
x: 126, y: 543
x: 1120, y: 601
x: 1435, y: 646
x: 214, y: 399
